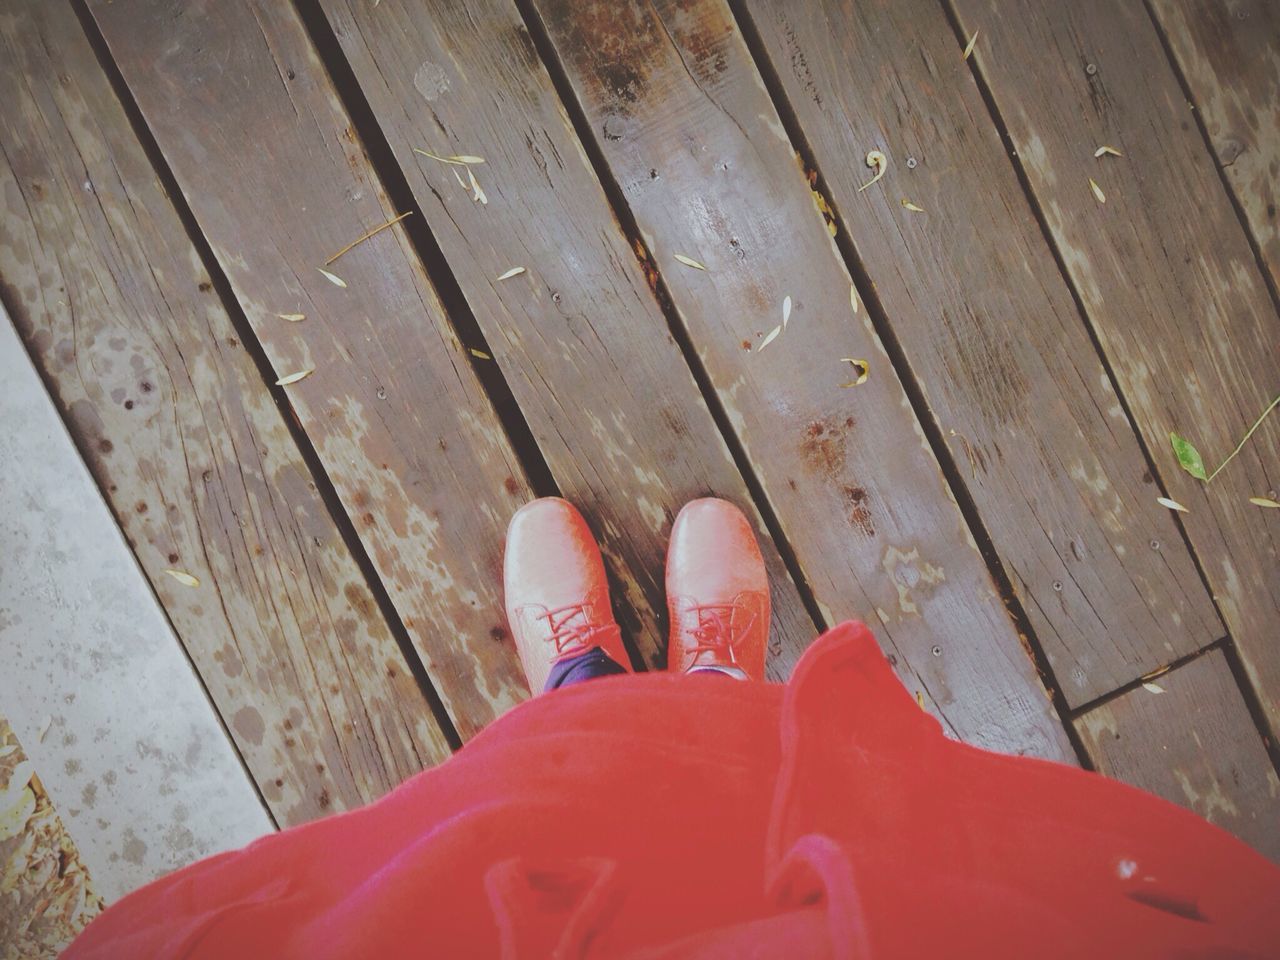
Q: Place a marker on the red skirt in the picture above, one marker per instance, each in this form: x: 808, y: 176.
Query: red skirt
x: 665, y: 816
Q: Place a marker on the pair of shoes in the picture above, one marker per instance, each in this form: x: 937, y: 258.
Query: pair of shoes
x: 557, y: 596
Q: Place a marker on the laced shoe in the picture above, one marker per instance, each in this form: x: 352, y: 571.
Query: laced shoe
x: 717, y: 592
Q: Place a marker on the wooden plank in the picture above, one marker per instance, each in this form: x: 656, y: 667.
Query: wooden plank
x: 265, y: 155
x: 109, y: 710
x: 1195, y: 745
x: 689, y: 132
x: 1164, y: 271
x: 187, y: 444
x: 1229, y: 55
x: 989, y: 327
x: 579, y: 335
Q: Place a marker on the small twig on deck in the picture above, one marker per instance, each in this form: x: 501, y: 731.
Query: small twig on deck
x: 390, y: 223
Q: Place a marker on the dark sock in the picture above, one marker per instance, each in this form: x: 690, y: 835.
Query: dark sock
x: 585, y: 666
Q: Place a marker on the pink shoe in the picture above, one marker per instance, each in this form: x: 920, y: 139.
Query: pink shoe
x: 717, y: 592
x: 557, y: 595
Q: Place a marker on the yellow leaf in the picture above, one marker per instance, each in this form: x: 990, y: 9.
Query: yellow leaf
x: 968, y: 49
x: 1097, y: 191
x: 457, y: 176
x: 479, y: 353
x: 769, y: 337
x: 186, y: 579
x: 292, y: 317
x: 336, y: 280
x: 513, y: 272
x: 911, y: 206
x: 1171, y: 504
x: 460, y: 160
x: 295, y: 377
x: 688, y: 261
x: 1264, y: 502
x: 1107, y: 151
x: 477, y: 193
x: 878, y: 161
x: 862, y: 368
x: 920, y: 699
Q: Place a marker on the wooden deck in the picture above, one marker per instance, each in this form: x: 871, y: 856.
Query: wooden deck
x: 677, y: 182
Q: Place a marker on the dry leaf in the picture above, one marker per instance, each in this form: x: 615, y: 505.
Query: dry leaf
x: 295, y: 377
x: 1171, y: 504
x: 863, y: 371
x: 688, y: 261
x: 459, y: 160
x: 1153, y: 688
x: 477, y: 193
x: 44, y: 728
x: 1097, y: 191
x: 968, y: 48
x: 877, y: 160
x: 1264, y: 502
x: 186, y: 579
x: 911, y: 206
x: 920, y: 699
x: 479, y: 353
x: 769, y: 337
x: 513, y: 272
x: 457, y: 176
x: 336, y: 280
x: 292, y: 317
x: 853, y: 298
x: 1104, y: 151
x: 786, y: 309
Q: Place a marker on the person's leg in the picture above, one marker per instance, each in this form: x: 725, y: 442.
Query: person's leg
x: 717, y: 593
x: 557, y: 598
x: 584, y: 666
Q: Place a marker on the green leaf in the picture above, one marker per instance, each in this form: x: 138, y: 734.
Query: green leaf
x: 1188, y: 456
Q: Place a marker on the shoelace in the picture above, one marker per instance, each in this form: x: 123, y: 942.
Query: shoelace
x: 714, y: 633
x: 569, y: 636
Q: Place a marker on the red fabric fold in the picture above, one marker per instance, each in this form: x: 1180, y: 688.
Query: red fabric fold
x: 665, y: 816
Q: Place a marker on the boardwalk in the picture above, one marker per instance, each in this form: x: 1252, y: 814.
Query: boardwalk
x: 639, y: 241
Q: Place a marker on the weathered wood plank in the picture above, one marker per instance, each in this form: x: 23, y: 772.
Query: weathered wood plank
x: 1195, y: 745
x: 1164, y: 271
x: 96, y: 686
x: 1229, y: 54
x: 186, y: 443
x: 579, y: 336
x: 690, y: 134
x: 989, y: 327
x: 263, y: 151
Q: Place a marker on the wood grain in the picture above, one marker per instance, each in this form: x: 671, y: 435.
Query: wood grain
x: 1163, y: 269
x: 1229, y: 54
x: 988, y: 325
x: 1193, y: 744
x: 684, y: 121
x: 579, y: 335
x: 267, y: 159
x: 186, y: 443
